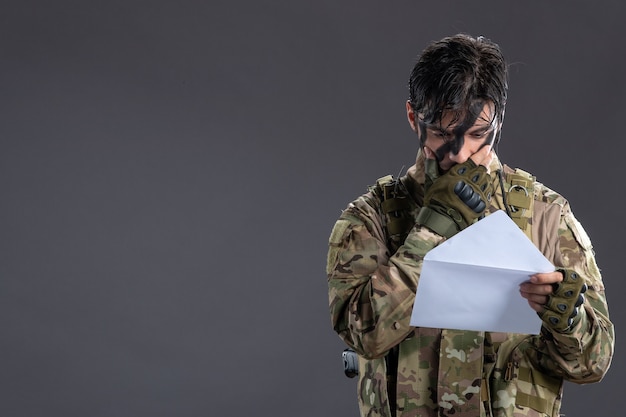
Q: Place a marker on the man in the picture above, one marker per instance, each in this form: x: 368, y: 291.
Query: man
x: 458, y: 91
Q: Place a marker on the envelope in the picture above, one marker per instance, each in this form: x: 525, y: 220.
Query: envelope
x: 471, y: 281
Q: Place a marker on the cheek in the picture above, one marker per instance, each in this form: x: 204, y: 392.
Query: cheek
x: 435, y: 145
x: 444, y: 150
x: 489, y: 140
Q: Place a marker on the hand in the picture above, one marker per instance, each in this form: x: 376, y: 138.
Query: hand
x: 556, y: 297
x: 454, y: 200
x: 538, y: 288
x: 483, y: 156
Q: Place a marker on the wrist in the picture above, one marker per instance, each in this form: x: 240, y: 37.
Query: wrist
x: 446, y: 223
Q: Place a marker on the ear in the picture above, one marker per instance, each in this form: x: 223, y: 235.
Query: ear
x: 410, y: 115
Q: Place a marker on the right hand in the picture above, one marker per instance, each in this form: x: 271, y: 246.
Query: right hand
x: 457, y: 197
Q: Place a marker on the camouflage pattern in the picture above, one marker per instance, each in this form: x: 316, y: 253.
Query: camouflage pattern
x: 444, y: 372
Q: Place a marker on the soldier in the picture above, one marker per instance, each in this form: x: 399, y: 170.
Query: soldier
x: 457, y: 98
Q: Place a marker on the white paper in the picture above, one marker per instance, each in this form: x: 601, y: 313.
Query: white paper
x: 471, y: 281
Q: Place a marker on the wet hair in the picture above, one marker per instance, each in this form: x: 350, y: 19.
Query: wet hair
x: 455, y: 74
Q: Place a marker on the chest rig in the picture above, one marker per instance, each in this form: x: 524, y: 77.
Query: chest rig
x: 515, y: 195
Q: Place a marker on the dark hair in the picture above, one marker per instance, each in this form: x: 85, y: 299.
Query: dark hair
x: 452, y: 74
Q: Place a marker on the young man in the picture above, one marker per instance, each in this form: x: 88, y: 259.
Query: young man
x: 458, y: 91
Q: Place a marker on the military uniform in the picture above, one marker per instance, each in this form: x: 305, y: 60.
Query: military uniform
x: 444, y: 372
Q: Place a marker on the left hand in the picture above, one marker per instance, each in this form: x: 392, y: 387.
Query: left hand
x: 538, y: 289
x: 556, y: 297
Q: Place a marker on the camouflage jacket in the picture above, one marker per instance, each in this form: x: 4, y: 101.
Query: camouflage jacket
x: 443, y: 372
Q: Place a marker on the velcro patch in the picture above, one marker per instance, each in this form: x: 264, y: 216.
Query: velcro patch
x: 339, y: 229
x: 579, y: 233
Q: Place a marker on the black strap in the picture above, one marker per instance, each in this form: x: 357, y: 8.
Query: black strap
x: 391, y: 362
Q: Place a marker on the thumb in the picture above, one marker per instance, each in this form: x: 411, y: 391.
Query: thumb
x: 483, y: 156
x: 431, y: 166
x: 428, y: 152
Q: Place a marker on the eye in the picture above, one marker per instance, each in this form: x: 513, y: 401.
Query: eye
x: 440, y: 134
x: 480, y: 134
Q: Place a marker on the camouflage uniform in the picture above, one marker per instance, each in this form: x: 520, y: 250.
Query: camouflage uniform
x: 443, y: 372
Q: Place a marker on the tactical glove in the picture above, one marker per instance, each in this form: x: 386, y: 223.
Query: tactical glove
x: 455, y: 199
x: 561, y: 310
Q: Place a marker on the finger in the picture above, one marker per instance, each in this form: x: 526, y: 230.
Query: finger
x: 483, y: 156
x: 536, y: 302
x: 535, y: 298
x: 540, y: 300
x: 538, y: 307
x: 536, y: 289
x: 431, y: 167
x: 429, y: 153
x: 547, y: 278
x: 487, y: 161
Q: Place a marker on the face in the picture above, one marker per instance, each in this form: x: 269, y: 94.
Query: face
x: 454, y: 139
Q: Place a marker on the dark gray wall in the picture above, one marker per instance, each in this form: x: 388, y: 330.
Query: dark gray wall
x: 170, y: 172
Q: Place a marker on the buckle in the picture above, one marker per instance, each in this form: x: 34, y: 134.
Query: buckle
x: 515, y: 187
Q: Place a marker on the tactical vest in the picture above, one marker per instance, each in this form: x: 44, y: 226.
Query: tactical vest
x: 516, y: 194
x: 508, y: 379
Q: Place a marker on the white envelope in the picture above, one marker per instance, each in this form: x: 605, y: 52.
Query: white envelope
x: 471, y: 281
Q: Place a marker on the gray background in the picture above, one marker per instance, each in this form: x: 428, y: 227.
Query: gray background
x: 170, y: 172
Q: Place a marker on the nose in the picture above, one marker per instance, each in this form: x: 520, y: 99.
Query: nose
x: 462, y: 155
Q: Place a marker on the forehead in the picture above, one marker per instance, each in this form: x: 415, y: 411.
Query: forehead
x: 478, y: 117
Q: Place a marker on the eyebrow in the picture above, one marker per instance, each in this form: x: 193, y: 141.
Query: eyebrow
x: 483, y: 127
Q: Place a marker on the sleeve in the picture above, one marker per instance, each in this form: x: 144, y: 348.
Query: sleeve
x: 582, y: 355
x: 371, y: 293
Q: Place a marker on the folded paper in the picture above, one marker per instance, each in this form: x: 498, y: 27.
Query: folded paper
x: 471, y: 281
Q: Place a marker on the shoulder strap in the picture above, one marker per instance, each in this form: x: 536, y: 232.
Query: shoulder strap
x: 518, y: 198
x: 395, y: 207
